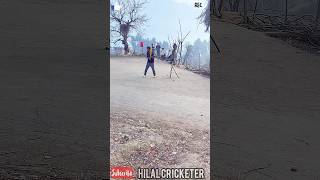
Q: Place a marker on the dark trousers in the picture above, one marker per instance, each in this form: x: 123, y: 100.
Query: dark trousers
x: 149, y: 64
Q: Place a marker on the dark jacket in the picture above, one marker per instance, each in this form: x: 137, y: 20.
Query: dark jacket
x: 150, y: 56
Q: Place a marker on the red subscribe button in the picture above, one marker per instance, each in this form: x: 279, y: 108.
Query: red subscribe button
x: 122, y: 173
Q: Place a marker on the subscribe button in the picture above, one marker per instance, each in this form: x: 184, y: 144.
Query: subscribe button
x: 122, y: 173
x: 157, y: 173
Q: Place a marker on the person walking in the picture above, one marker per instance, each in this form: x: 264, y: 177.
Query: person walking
x: 150, y: 61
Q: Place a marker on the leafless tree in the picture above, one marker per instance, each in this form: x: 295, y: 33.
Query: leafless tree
x: 180, y: 41
x: 126, y: 19
x: 205, y: 16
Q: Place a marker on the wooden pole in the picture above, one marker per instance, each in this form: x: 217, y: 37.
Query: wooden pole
x: 317, y: 15
x: 286, y: 18
x: 245, y: 15
x: 255, y: 10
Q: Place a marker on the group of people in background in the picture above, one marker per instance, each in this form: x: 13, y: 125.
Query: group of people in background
x: 158, y: 52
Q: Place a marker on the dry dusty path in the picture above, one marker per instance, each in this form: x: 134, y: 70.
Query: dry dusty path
x: 158, y: 121
x: 266, y: 107
x: 185, y: 99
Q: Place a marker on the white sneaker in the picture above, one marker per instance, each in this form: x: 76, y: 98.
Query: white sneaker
x: 144, y: 76
x: 154, y: 76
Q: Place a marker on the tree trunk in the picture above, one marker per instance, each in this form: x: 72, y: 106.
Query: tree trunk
x: 124, y: 30
x: 125, y: 44
x: 126, y: 49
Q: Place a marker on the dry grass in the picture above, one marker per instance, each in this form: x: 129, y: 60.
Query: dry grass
x: 137, y: 142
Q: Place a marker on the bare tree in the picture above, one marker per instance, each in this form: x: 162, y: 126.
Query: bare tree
x: 205, y: 16
x: 126, y: 19
x: 180, y: 41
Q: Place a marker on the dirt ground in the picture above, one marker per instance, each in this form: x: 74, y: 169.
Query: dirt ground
x: 52, y: 94
x: 158, y: 122
x: 265, y: 107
